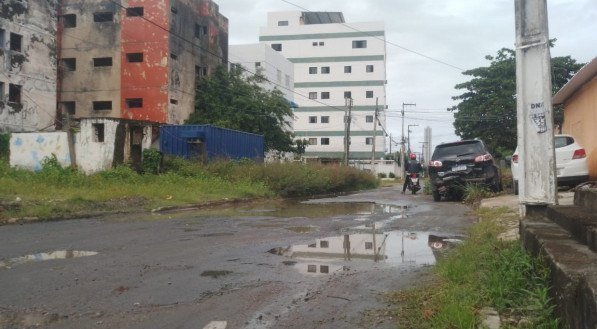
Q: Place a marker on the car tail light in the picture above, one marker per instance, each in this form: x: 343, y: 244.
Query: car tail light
x: 515, y: 158
x: 579, y: 154
x: 484, y: 157
x: 436, y: 164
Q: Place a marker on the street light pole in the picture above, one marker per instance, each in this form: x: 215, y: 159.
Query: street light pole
x: 402, y: 138
x: 409, y: 135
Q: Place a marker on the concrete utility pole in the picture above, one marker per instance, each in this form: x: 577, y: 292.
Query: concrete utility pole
x: 537, y: 177
x: 374, y: 133
x: 347, y: 119
x: 402, y: 139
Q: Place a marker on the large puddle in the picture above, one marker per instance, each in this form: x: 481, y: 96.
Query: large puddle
x: 294, y: 209
x: 338, y: 253
x: 43, y: 256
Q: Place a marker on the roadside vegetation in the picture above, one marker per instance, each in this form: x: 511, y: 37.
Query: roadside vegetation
x: 56, y: 192
x: 482, y: 272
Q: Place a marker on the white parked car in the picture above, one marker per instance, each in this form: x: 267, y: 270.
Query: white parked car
x: 571, y: 162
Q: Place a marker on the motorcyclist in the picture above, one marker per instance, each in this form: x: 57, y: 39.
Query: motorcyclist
x: 413, y: 166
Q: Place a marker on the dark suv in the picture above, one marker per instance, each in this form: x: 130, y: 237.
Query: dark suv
x: 454, y: 165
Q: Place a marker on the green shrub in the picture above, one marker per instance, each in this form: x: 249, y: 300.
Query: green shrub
x: 152, y: 161
x: 381, y: 175
x: 4, y: 146
x: 474, y: 193
x: 391, y: 175
x: 119, y: 173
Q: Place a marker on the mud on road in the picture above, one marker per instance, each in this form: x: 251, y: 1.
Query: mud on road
x: 322, y: 263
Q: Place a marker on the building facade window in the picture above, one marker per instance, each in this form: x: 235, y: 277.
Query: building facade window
x: 14, y: 93
x: 369, y: 118
x: 68, y: 64
x: 313, y: 95
x: 312, y: 70
x: 315, y: 43
x: 135, y: 11
x: 348, y: 69
x: 369, y: 94
x: 312, y: 119
x: 69, y: 107
x: 347, y: 94
x: 325, y: 70
x: 325, y: 95
x: 98, y: 132
x: 200, y: 71
x: 200, y: 31
x: 106, y: 16
x: 134, y: 57
x: 369, y: 68
x: 277, y: 46
x: 282, y: 23
x: 325, y: 141
x: 369, y: 141
x: 16, y: 42
x: 359, y: 44
x: 173, y: 56
x: 102, y: 62
x: 69, y: 21
x: 257, y: 64
x: 102, y: 105
x: 134, y: 103
x: 173, y: 101
x: 1, y: 91
x: 324, y: 244
x: 312, y: 141
x: 325, y: 119
x: 321, y: 43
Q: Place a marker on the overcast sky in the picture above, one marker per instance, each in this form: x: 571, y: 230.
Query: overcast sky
x: 458, y: 32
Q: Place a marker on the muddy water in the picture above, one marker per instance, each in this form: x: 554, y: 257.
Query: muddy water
x: 44, y: 256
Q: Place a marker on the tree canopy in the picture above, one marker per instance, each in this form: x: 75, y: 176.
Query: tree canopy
x: 232, y: 100
x: 487, y: 107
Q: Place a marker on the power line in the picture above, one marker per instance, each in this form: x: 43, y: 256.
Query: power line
x: 386, y: 41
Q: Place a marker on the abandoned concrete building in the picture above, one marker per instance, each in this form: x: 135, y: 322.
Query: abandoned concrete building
x: 28, y: 65
x: 133, y: 64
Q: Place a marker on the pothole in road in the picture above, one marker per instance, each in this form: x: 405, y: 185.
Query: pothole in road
x: 44, y: 256
x: 393, y: 248
x: 215, y: 274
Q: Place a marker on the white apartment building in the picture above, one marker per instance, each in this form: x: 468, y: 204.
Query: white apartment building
x: 333, y: 60
x: 260, y: 57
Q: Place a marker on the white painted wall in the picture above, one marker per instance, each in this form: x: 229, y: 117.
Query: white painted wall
x: 28, y: 150
x: 93, y: 156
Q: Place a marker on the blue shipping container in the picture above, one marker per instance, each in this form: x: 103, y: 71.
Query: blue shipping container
x: 207, y: 142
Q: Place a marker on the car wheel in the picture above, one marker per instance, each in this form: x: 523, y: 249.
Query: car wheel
x: 515, y: 185
x: 436, y: 196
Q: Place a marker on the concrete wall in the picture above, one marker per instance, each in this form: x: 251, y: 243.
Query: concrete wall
x: 84, y: 42
x: 207, y: 51
x: 330, y: 46
x: 580, y: 119
x: 93, y: 155
x: 31, y: 66
x: 28, y: 150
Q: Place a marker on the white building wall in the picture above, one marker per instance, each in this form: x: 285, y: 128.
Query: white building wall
x: 330, y: 46
x: 93, y: 155
x: 29, y: 150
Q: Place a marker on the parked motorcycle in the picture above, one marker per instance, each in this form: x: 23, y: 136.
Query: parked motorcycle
x: 413, y: 183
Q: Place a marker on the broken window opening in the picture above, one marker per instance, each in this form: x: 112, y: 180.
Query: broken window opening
x: 324, y: 269
x: 102, y: 105
x: 173, y: 101
x: 369, y: 94
x: 133, y: 103
x: 325, y: 70
x: 200, y: 71
x: 369, y: 68
x: 324, y: 244
x: 325, y: 141
x: 16, y: 42
x: 325, y: 95
x: 348, y: 69
x: 69, y: 64
x: 14, y: 93
x: 277, y: 46
x: 1, y: 91
x: 69, y: 21
x: 134, y: 57
x: 2, y: 40
x: 98, y: 132
x: 135, y: 12
x: 173, y: 56
x: 102, y: 62
x: 106, y: 16
x: 200, y: 31
x: 69, y: 107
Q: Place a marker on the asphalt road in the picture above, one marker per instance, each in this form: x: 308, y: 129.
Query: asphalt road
x: 313, y: 264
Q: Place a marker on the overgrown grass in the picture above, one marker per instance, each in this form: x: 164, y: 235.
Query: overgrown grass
x: 482, y: 272
x: 474, y: 193
x: 56, y: 191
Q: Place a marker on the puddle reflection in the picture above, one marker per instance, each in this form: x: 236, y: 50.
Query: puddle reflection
x: 395, y: 248
x: 43, y: 256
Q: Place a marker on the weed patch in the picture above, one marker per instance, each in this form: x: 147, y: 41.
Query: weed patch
x: 482, y: 272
